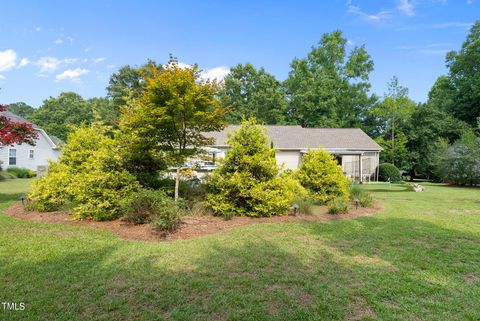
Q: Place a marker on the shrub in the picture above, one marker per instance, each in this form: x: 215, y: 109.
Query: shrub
x: 364, y: 198
x: 88, y: 178
x: 338, y: 206
x: 141, y: 206
x: 21, y: 172
x: 168, y: 217
x: 49, y: 192
x: 247, y: 183
x: 322, y: 176
x: 460, y: 163
x: 154, y: 207
x: 388, y: 173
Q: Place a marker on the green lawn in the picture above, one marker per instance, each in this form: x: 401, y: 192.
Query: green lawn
x: 417, y: 260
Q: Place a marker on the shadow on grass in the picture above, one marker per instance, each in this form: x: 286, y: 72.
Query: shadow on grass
x: 7, y: 198
x: 367, y: 268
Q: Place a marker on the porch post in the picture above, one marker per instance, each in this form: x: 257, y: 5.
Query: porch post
x: 360, y: 165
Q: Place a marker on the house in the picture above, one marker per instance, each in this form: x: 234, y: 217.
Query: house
x: 355, y: 151
x: 36, y: 157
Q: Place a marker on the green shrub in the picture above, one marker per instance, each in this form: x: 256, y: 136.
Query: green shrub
x: 154, y: 207
x: 21, y: 172
x: 338, y: 206
x: 322, y: 176
x: 388, y: 173
x: 364, y: 198
x: 139, y: 207
x: 88, y: 178
x: 247, y: 183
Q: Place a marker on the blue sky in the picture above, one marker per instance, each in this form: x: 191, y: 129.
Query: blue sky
x: 47, y: 47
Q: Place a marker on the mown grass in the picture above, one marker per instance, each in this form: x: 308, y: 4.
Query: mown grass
x: 417, y: 260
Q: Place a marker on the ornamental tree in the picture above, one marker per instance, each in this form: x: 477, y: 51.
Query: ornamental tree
x: 171, y: 114
x: 12, y: 132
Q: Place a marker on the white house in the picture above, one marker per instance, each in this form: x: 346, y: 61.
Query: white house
x: 36, y: 157
x: 355, y: 151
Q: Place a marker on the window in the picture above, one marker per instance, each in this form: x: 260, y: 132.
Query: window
x: 12, y: 156
x: 31, y: 154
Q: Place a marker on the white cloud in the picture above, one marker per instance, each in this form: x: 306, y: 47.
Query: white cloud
x: 2, y: 77
x: 62, y: 39
x: 111, y: 66
x: 8, y: 59
x: 98, y: 60
x: 37, y: 29
x: 72, y: 74
x: 48, y: 64
x: 217, y: 73
x: 70, y: 60
x: 469, y: 2
x: 51, y: 64
x: 23, y: 62
x: 380, y: 16
x: 406, y: 7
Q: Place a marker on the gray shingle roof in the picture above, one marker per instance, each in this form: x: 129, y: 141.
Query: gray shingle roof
x: 296, y: 137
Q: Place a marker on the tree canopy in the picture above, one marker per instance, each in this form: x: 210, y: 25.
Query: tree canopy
x: 329, y: 88
x: 459, y: 92
x: 251, y: 92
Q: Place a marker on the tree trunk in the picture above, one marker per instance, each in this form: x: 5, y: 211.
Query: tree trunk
x: 177, y: 183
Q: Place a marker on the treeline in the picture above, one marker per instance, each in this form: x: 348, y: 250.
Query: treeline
x: 328, y: 88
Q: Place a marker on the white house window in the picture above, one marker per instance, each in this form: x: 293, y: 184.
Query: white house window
x: 31, y: 154
x: 12, y: 156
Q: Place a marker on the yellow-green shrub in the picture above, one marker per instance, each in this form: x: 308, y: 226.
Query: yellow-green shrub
x: 49, y: 192
x: 88, y: 177
x: 247, y: 183
x: 322, y: 176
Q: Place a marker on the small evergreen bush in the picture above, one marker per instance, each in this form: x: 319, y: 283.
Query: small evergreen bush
x: 338, y: 206
x: 388, y: 173
x: 248, y: 182
x: 322, y: 176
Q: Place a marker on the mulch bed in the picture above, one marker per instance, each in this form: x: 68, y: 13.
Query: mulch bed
x: 190, y: 227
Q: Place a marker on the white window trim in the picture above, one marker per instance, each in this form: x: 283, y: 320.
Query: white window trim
x: 12, y: 157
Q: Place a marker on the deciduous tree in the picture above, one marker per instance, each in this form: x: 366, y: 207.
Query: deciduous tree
x: 12, y: 132
x: 251, y: 92
x: 329, y: 88
x: 173, y: 112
